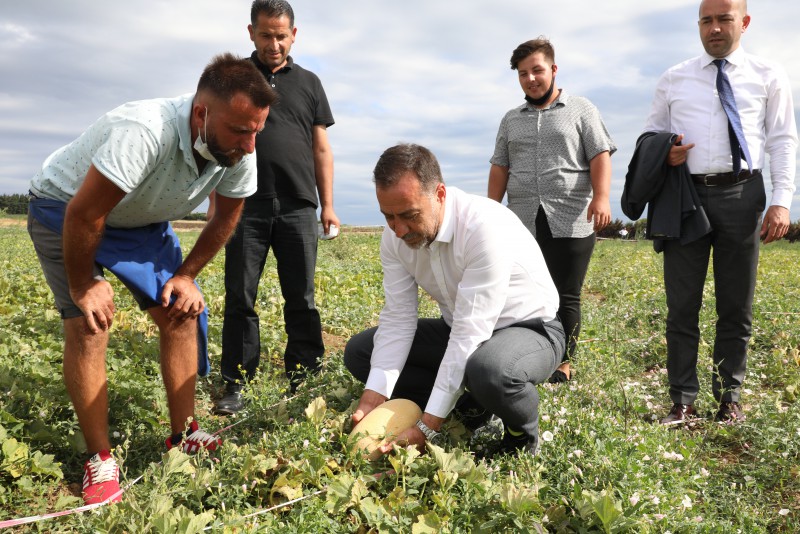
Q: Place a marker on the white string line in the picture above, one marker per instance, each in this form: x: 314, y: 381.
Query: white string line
x: 85, y: 508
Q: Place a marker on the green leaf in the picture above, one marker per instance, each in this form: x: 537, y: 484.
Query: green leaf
x: 607, y: 509
x: 429, y: 523
x: 15, y: 455
x: 315, y: 411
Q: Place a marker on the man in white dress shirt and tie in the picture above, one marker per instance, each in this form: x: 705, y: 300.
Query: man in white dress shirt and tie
x: 497, y: 336
x: 730, y: 109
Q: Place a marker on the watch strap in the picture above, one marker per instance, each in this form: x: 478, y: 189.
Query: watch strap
x: 430, y: 434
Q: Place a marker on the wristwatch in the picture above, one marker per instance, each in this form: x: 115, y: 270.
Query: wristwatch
x: 430, y: 434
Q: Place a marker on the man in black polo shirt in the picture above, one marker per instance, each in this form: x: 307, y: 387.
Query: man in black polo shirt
x: 295, y: 164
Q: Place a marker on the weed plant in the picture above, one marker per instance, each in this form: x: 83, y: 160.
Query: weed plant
x: 605, y: 464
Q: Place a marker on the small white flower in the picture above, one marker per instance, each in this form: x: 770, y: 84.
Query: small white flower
x: 704, y: 471
x: 659, y: 517
x: 747, y: 391
x: 646, y: 458
x: 783, y: 511
x: 562, y: 411
x: 562, y: 422
x: 545, y: 418
x: 686, y: 502
x: 578, y: 453
x: 115, y: 434
x: 748, y: 479
x: 655, y: 499
x: 634, y: 499
x: 547, y: 435
x: 244, y: 488
x: 698, y: 519
x: 673, y: 456
x: 305, y: 443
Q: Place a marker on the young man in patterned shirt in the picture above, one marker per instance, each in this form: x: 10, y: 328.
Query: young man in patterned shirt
x: 553, y: 158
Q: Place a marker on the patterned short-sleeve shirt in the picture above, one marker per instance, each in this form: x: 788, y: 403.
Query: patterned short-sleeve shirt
x: 547, y: 152
x: 145, y: 149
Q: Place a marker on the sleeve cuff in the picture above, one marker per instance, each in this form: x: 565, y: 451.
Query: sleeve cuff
x: 382, y: 381
x: 781, y: 197
x: 441, y: 402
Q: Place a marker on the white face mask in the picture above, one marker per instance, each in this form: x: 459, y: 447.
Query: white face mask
x: 200, y: 145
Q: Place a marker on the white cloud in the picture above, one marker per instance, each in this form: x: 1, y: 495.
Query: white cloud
x: 425, y: 71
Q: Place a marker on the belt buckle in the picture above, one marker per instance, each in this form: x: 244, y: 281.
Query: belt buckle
x: 707, y: 176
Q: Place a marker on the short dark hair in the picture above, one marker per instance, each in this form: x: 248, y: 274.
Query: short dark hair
x: 540, y: 44
x: 227, y: 75
x: 400, y: 159
x: 272, y: 9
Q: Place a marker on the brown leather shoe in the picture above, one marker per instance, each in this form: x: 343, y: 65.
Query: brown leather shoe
x: 679, y: 414
x: 729, y: 413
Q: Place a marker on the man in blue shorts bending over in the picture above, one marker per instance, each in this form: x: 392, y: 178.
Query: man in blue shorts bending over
x: 104, y: 201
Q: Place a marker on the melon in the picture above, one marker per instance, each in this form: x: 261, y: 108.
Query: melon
x: 383, y: 424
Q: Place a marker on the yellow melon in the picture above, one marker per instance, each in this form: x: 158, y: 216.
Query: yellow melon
x: 383, y: 424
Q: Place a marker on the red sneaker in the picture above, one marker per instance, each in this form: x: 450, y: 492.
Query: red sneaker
x: 195, y: 439
x: 101, y: 479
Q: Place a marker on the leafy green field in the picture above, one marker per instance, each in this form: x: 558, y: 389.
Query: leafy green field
x: 604, y: 465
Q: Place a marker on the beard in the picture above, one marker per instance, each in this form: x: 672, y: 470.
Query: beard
x: 225, y: 159
x: 416, y: 240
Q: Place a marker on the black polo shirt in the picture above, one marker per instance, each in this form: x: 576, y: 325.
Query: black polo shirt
x: 284, y: 148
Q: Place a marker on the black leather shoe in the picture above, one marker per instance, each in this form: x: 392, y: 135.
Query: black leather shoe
x: 231, y: 402
x: 679, y: 414
x: 729, y: 413
x: 510, y: 445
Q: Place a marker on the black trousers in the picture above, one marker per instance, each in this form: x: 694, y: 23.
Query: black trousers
x: 735, y: 216
x: 567, y: 260
x: 289, y: 227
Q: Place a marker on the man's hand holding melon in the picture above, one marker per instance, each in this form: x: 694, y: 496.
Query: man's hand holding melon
x: 383, y: 423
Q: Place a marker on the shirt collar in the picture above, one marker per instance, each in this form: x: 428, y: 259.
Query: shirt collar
x: 446, y: 230
x: 561, y: 100
x: 266, y: 70
x: 184, y: 113
x: 735, y: 58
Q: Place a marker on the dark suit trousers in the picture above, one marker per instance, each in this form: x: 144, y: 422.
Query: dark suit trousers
x: 289, y: 227
x: 501, y: 375
x: 735, y: 215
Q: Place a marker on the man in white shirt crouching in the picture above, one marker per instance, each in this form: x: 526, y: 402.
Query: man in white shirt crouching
x: 498, y: 336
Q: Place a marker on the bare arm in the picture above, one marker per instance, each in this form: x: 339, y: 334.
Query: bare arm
x: 212, y: 205
x: 600, y: 207
x: 84, y: 223
x: 498, y: 181
x: 189, y: 302
x: 323, y: 170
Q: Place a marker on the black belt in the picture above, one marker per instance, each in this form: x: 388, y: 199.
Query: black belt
x: 724, y: 178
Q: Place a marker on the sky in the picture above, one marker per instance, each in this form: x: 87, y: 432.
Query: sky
x: 424, y: 71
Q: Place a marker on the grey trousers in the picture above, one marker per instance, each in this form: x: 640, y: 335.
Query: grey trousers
x: 501, y: 375
x: 735, y: 216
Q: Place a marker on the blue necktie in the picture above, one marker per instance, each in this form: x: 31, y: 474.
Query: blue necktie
x: 735, y: 132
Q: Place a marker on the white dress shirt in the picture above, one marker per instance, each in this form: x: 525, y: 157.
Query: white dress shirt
x: 687, y: 102
x: 484, y: 269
